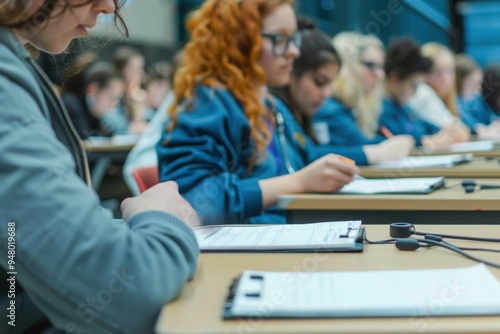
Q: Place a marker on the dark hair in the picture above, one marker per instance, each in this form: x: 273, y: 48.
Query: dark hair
x: 158, y: 72
x: 14, y: 14
x: 464, y: 65
x: 316, y: 51
x: 491, y: 86
x: 87, y: 69
x: 404, y: 58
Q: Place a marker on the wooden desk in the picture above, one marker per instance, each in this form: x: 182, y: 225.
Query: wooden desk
x: 494, y: 153
x: 199, y: 307
x: 443, y: 206
x: 104, y: 153
x: 106, y: 147
x: 478, y: 168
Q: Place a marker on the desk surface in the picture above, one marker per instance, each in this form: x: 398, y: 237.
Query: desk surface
x: 478, y: 168
x: 199, y: 307
x: 452, y: 198
x: 106, y: 146
x: 494, y: 153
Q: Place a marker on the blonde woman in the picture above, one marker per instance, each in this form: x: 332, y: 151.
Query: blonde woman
x: 435, y: 101
x: 350, y: 116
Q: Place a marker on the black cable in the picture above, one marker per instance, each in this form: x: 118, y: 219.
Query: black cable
x: 386, y: 242
x: 480, y: 249
x: 459, y: 251
x: 459, y: 237
x: 475, y: 249
x: 380, y: 242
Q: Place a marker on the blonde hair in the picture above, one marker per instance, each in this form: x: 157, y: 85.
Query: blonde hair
x: 433, y: 50
x: 464, y: 66
x: 348, y: 88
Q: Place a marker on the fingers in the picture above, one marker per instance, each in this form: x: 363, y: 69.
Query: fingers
x: 342, y: 164
x: 124, y: 207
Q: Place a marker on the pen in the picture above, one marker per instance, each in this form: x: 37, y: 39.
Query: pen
x: 350, y: 162
x: 346, y: 160
x: 385, y: 131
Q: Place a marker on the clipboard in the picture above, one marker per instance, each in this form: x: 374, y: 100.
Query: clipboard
x: 399, y: 293
x: 415, y: 185
x: 344, y: 236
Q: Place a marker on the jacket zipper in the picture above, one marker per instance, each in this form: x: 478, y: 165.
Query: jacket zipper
x: 68, y: 121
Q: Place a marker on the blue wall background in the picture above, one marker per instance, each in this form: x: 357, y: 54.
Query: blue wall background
x: 472, y: 26
x: 423, y: 19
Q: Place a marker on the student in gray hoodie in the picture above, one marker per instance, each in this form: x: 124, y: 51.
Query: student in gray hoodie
x: 60, y: 253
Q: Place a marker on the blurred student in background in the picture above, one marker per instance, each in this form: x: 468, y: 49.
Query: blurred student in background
x: 130, y: 63
x: 156, y: 83
x: 436, y: 100
x: 231, y: 147
x: 350, y: 116
x: 469, y: 77
x: 482, y: 113
x: 311, y: 82
x: 144, y: 152
x: 92, y: 89
x: 406, y: 69
x: 70, y: 249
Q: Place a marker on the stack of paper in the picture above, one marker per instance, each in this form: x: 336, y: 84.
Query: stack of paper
x: 427, y: 161
x: 419, y: 185
x: 473, y: 146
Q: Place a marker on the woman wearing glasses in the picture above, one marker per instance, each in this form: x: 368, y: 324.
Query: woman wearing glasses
x: 350, y: 116
x: 231, y: 147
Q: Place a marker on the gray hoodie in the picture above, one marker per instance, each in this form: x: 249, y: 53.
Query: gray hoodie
x: 84, y: 271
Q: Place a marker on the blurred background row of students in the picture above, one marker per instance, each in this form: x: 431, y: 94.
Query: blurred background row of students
x: 120, y: 96
x: 381, y: 101
x: 113, y: 97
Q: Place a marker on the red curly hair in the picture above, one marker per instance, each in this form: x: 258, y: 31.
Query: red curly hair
x: 224, y: 49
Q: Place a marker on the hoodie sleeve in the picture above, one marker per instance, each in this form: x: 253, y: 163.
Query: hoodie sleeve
x: 84, y: 271
x: 207, y: 155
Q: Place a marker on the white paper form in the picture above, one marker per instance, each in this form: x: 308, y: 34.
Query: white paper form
x: 278, y: 237
x: 427, y: 161
x: 419, y: 185
x: 471, y: 146
x: 463, y: 291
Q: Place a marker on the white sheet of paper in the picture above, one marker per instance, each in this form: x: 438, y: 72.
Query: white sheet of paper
x: 276, y: 237
x: 426, y: 161
x: 391, y: 186
x: 472, y: 146
x: 471, y: 290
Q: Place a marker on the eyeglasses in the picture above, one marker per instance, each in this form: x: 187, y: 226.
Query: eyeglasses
x: 281, y: 42
x: 371, y: 65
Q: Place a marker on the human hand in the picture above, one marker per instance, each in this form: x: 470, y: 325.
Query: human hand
x: 394, y: 148
x: 162, y: 197
x: 327, y: 174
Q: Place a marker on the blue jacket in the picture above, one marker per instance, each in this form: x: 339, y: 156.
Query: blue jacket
x: 341, y: 124
x: 208, y: 155
x: 478, y: 111
x: 400, y: 120
x: 70, y: 254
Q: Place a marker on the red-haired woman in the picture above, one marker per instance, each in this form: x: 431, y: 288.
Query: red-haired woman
x: 232, y: 148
